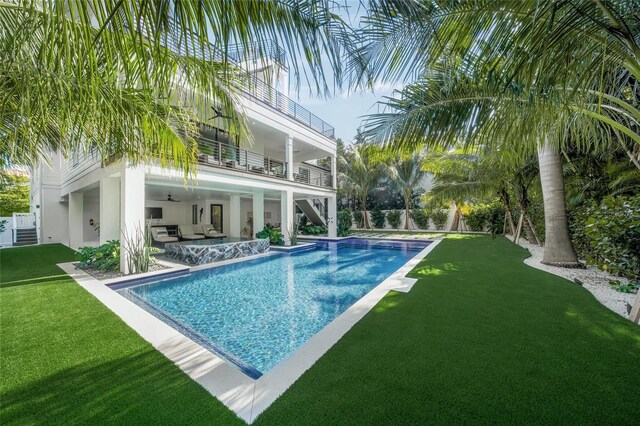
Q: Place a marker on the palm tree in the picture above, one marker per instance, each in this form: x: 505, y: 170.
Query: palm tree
x: 363, y: 173
x: 407, y: 173
x: 129, y: 77
x: 547, y: 51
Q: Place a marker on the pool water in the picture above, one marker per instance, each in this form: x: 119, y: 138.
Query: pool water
x: 257, y: 312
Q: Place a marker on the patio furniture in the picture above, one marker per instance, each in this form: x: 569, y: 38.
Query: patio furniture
x: 188, y: 232
x: 161, y: 236
x: 210, y: 232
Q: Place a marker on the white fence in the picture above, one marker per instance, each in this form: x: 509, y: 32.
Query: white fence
x: 6, y: 236
x: 24, y: 220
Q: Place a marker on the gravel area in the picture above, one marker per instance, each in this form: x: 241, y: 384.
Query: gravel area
x: 593, y: 279
x: 102, y: 275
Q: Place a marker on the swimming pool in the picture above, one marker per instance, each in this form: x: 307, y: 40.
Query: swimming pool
x: 258, y: 312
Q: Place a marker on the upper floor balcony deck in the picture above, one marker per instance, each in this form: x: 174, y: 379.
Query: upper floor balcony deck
x: 218, y: 155
x: 253, y: 86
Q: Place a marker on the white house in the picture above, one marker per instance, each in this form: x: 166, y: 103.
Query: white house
x: 263, y: 179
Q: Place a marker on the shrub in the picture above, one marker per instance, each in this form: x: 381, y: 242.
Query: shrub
x: 495, y: 218
x: 358, y: 218
x: 394, y: 217
x: 105, y: 257
x: 378, y: 217
x: 303, y: 221
x: 612, y: 232
x: 475, y: 217
x: 313, y: 229
x: 136, y: 246
x: 420, y: 218
x: 439, y: 218
x: 274, y: 236
x: 344, y: 222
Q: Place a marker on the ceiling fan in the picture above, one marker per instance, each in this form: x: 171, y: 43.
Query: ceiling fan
x: 169, y: 198
x: 218, y: 114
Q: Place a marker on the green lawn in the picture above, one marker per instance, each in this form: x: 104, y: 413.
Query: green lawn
x: 67, y: 359
x: 481, y: 338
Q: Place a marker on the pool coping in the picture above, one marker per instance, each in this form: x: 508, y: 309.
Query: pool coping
x: 246, y: 397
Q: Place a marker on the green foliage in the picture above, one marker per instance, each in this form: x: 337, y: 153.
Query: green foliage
x: 608, y: 235
x: 273, y: 235
x: 394, y: 217
x: 495, y: 218
x: 14, y: 194
x: 475, y: 217
x: 485, y: 216
x: 2, y: 225
x: 303, y: 221
x: 313, y: 229
x: 631, y: 287
x: 378, y: 217
x: 420, y: 217
x: 439, y: 218
x: 358, y: 218
x: 344, y: 222
x: 104, y: 258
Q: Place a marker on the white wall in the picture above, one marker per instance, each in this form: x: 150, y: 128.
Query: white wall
x: 447, y: 225
x: 91, y: 210
x: 172, y: 213
x: 55, y: 217
x: 271, y: 212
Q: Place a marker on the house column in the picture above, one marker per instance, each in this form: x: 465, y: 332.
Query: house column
x: 288, y: 156
x: 132, y: 226
x: 76, y: 220
x: 286, y: 214
x: 332, y: 217
x: 234, y: 216
x: 334, y: 172
x: 109, y: 209
x: 258, y: 212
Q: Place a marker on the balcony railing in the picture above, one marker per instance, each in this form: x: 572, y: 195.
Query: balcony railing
x: 253, y: 86
x: 312, y: 175
x: 219, y: 154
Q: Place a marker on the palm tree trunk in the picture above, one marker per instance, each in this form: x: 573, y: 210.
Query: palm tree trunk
x: 558, y: 249
x: 455, y: 224
x: 365, y: 219
x: 407, y: 201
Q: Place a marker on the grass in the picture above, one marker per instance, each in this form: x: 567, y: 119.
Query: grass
x: 67, y: 359
x: 481, y: 338
x: 397, y: 234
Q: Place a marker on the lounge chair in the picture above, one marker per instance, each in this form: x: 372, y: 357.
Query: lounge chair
x: 210, y: 232
x: 160, y: 236
x: 189, y: 232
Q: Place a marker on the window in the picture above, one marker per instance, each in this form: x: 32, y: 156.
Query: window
x: 194, y: 214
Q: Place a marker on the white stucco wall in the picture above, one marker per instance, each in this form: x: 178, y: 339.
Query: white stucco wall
x: 271, y: 211
x: 54, y: 214
x: 91, y: 210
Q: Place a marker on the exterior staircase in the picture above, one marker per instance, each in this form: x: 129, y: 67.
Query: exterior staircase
x: 26, y: 237
x: 24, y: 229
x: 313, y: 210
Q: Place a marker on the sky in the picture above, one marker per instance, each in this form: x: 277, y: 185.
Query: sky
x: 345, y: 110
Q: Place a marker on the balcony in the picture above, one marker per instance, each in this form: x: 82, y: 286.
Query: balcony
x: 226, y: 156
x: 252, y: 86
